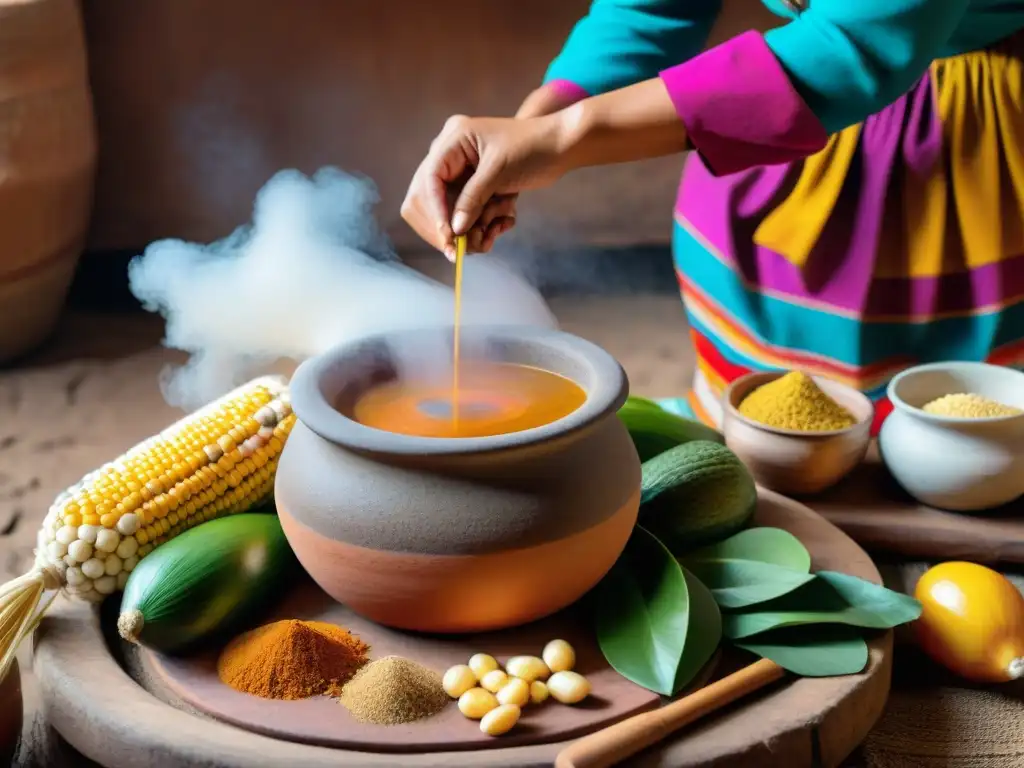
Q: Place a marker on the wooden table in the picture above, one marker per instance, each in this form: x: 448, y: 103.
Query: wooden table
x: 881, y: 517
x: 93, y: 394
x: 803, y: 721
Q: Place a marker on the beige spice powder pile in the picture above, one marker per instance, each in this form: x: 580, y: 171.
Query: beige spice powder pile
x: 393, y: 690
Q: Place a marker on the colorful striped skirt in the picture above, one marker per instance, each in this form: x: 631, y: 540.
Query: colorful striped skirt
x: 902, y: 242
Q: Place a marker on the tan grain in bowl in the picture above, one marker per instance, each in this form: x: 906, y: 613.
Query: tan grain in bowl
x: 791, y: 461
x: 956, y: 463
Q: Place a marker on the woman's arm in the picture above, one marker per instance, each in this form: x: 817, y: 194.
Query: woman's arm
x: 617, y: 43
x: 634, y: 123
x: 754, y: 100
x: 849, y: 60
x: 551, y: 97
x: 621, y: 42
x: 499, y: 215
x: 772, y: 98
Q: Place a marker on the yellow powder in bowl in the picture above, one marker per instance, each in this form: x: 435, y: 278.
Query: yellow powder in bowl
x: 969, y: 406
x: 796, y: 402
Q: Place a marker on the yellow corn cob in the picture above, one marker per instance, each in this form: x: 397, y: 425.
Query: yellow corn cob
x: 218, y: 461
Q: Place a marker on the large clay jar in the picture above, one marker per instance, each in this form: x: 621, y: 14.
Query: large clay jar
x: 10, y: 714
x: 458, y: 534
x: 47, y: 164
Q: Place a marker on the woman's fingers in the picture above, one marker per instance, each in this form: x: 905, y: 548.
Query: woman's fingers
x: 480, y: 239
x: 498, y: 216
x: 456, y: 189
x: 497, y: 207
x: 478, y: 189
x: 426, y: 207
x: 420, y: 221
x: 475, y: 240
x: 437, y: 211
x: 497, y: 228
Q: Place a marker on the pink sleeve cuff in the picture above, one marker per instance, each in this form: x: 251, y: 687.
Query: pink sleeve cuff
x: 567, y: 91
x: 740, y: 108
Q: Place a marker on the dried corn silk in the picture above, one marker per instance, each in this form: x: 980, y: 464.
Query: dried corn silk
x: 394, y: 690
x: 796, y: 402
x: 969, y: 406
x: 292, y: 659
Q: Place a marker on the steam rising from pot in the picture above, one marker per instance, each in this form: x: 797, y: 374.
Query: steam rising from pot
x: 311, y: 271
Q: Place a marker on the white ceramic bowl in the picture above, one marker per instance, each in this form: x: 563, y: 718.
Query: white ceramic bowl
x: 963, y: 465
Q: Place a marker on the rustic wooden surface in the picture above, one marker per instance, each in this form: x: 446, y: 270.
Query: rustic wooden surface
x: 878, y: 514
x: 93, y: 393
x: 801, y: 722
x: 322, y: 721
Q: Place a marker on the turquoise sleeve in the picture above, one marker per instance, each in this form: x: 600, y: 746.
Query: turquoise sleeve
x: 850, y: 58
x: 622, y: 42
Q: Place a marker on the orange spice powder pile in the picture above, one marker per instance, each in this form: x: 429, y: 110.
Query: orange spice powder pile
x: 292, y: 659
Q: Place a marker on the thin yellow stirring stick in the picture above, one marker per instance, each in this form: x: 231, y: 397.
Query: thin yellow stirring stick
x: 460, y: 253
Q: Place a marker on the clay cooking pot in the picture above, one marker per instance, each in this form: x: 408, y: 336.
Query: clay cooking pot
x: 458, y: 534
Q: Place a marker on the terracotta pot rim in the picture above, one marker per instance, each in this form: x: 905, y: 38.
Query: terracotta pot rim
x: 316, y: 383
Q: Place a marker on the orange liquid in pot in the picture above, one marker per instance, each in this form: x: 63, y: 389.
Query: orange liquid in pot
x: 493, y: 399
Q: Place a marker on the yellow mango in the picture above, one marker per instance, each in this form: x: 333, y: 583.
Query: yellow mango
x: 972, y: 622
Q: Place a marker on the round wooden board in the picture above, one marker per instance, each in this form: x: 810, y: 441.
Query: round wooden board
x: 323, y: 721
x: 114, y: 718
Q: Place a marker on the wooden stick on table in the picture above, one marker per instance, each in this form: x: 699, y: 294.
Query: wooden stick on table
x: 617, y: 742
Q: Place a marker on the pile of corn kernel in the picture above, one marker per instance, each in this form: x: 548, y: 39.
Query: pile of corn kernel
x: 969, y: 406
x: 496, y: 696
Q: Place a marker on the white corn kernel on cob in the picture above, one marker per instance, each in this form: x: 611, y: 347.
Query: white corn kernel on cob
x: 217, y: 461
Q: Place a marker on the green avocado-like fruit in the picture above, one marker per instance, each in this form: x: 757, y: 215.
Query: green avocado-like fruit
x: 210, y: 581
x: 654, y: 430
x: 696, y: 494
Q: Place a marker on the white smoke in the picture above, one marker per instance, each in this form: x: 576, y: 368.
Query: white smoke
x: 311, y: 271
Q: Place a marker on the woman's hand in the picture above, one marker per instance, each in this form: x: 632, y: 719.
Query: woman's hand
x: 499, y: 214
x: 468, y: 181
x: 476, y: 166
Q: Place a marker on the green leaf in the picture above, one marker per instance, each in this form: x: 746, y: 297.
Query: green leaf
x: 647, y: 627
x: 821, y: 651
x: 642, y: 402
x: 765, y: 545
x: 643, y: 614
x: 703, y: 634
x: 855, y: 603
x: 742, y: 583
x: 897, y: 607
